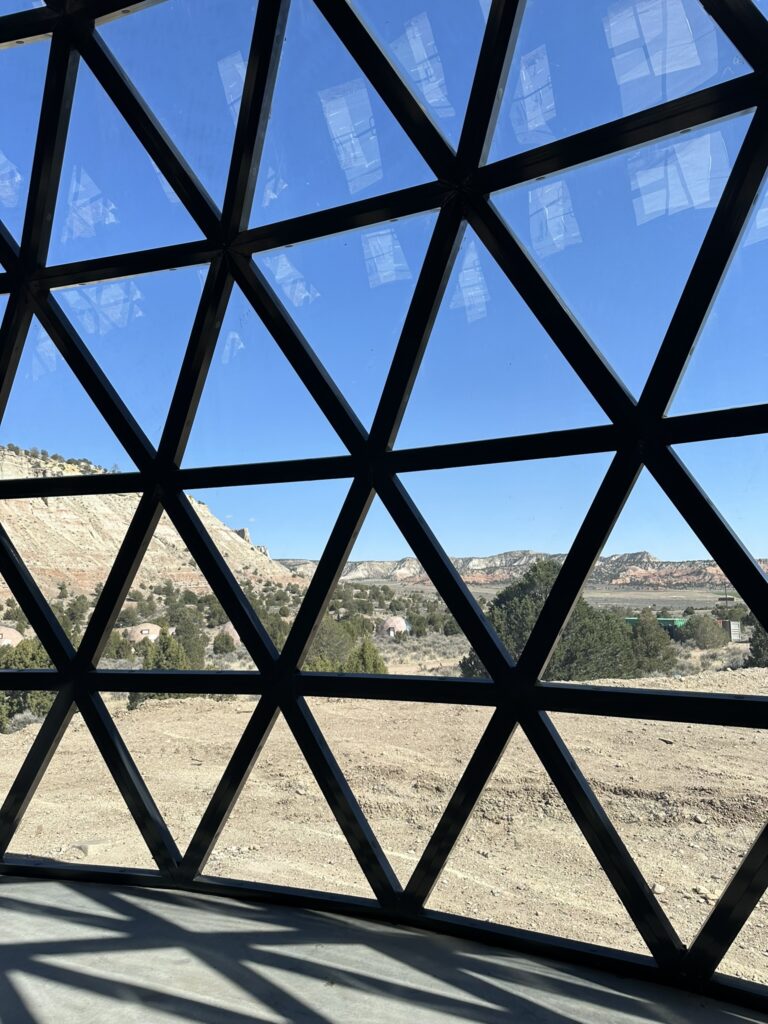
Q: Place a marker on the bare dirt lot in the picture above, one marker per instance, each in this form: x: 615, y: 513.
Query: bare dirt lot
x: 687, y: 800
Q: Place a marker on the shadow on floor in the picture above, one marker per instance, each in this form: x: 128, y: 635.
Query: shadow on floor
x: 89, y: 953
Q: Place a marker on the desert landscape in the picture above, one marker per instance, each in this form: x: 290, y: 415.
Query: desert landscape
x: 687, y: 800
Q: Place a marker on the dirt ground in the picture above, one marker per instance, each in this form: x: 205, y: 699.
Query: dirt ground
x: 687, y: 800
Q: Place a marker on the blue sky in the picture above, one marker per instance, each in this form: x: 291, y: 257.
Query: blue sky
x: 616, y: 240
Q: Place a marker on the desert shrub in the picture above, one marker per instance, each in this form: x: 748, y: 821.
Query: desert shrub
x: 758, y: 649
x: 223, y: 643
x: 704, y: 632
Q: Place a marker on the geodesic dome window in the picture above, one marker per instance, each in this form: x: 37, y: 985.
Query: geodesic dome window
x: 382, y: 463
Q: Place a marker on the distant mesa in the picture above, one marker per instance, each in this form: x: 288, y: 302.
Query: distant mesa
x: 74, y: 537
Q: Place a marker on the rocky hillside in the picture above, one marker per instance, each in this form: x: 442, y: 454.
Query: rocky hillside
x: 74, y: 539
x: 635, y: 571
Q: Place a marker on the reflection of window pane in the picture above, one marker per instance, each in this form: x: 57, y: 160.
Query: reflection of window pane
x: 10, y: 182
x: 384, y: 258
x: 552, y: 221
x: 100, y: 309
x: 684, y: 176
x: 290, y: 281
x: 534, y: 103
x: 660, y: 49
x: 417, y: 52
x: 349, y: 117
x: 87, y: 207
x: 471, y: 292
x: 758, y: 229
x: 232, y: 74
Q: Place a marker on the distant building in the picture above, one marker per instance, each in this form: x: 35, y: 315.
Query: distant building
x: 144, y: 631
x: 9, y: 637
x: 393, y: 626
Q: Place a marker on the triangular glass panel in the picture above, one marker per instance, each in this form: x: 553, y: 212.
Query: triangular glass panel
x: 617, y: 238
x: 11, y: 6
x: 188, y: 61
x: 404, y: 784
x: 112, y: 198
x: 254, y: 408
x: 77, y: 814
x: 685, y: 799
x: 762, y: 5
x: 270, y: 544
x: 507, y: 529
x: 490, y: 369
x: 282, y: 831
x: 640, y: 53
x: 134, y: 323
x: 3, y: 305
x: 522, y: 861
x: 384, y: 614
x: 170, y: 618
x: 435, y: 48
x: 50, y: 426
x: 656, y: 611
x: 729, y: 365
x: 331, y: 286
x: 731, y: 471
x: 746, y: 959
x: 22, y: 76
x: 330, y: 138
x: 181, y: 763
x: 69, y: 544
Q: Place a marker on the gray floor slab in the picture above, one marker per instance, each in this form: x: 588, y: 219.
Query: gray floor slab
x: 124, y: 956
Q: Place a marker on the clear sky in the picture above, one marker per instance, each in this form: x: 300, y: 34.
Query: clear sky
x: 616, y: 239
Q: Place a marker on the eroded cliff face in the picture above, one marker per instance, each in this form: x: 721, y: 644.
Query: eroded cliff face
x: 74, y: 539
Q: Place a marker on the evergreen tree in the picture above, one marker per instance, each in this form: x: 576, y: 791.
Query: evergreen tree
x: 165, y: 653
x: 758, y: 649
x: 366, y: 660
x: 704, y: 632
x: 654, y: 650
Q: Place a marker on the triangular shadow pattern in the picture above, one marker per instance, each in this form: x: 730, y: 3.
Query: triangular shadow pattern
x: 656, y: 611
x: 384, y: 614
x: 69, y: 544
x: 52, y: 421
x: 349, y: 295
x: 685, y: 799
x: 180, y: 761
x: 639, y: 55
x: 77, y: 814
x: 281, y: 830
x: 112, y: 197
x: 521, y: 519
x: 522, y: 861
x: 435, y: 48
x: 490, y: 368
x: 261, y: 529
x: 188, y: 60
x: 596, y: 233
x: 404, y: 784
x: 254, y: 408
x: 135, y: 324
x: 171, y: 618
x: 330, y: 139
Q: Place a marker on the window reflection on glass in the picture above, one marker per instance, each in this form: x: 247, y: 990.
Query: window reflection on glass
x: 330, y: 138
x: 471, y: 292
x: 112, y: 197
x: 134, y: 324
x: 349, y: 294
x: 188, y: 59
x: 576, y: 66
x: 685, y: 175
x: 418, y: 53
x: 22, y: 75
x: 434, y: 46
x: 617, y: 238
x: 50, y: 426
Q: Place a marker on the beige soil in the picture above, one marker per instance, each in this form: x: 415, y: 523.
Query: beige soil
x: 687, y: 800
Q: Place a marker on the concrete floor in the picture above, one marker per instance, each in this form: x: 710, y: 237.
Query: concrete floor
x: 125, y: 956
